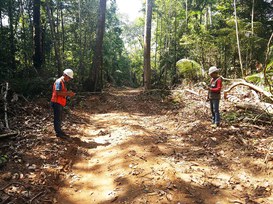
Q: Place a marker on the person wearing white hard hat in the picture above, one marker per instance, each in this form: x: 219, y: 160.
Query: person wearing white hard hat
x: 58, y: 100
x: 214, y: 94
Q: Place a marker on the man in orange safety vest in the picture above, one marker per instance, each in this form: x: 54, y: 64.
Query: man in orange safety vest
x: 58, y: 100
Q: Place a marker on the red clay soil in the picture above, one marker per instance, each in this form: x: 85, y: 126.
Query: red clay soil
x: 131, y: 146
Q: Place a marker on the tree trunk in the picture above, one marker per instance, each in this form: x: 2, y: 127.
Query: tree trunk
x: 81, y: 71
x: 252, y: 18
x: 187, y: 21
x: 95, y: 82
x: 160, y: 47
x: 37, y: 58
x: 1, y: 34
x: 238, y: 41
x: 1, y: 22
x: 174, y: 77
x: 210, y: 16
x: 54, y: 38
x: 25, y: 50
x: 147, y: 45
x: 63, y: 35
x: 252, y: 34
x: 11, y: 36
x: 156, y: 40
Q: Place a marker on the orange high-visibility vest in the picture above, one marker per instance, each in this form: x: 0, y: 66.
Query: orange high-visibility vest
x: 58, y: 99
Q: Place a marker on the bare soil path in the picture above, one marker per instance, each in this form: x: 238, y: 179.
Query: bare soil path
x: 130, y: 146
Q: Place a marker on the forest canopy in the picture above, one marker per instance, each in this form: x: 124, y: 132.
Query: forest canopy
x: 40, y: 38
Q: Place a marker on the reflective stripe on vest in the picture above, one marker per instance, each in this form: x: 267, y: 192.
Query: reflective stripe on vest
x: 58, y: 99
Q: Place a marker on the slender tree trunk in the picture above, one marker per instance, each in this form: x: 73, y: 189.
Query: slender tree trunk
x: 81, y: 73
x: 1, y: 22
x: 160, y: 48
x: 238, y: 41
x: 252, y: 33
x: 31, y: 31
x: 63, y: 35
x: 1, y: 32
x: 95, y: 83
x: 58, y: 35
x: 225, y: 61
x: 187, y: 13
x: 25, y: 50
x: 147, y: 45
x: 30, y: 15
x: 252, y: 17
x: 206, y: 18
x: 156, y: 40
x: 175, y: 46
x: 54, y: 38
x: 11, y: 36
x: 37, y: 58
x: 210, y: 17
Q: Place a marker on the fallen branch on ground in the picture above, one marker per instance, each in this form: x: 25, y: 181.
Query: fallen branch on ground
x: 6, y: 105
x: 188, y: 90
x: 10, y: 134
x: 252, y: 86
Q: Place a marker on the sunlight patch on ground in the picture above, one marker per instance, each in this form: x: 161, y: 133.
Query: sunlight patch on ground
x: 161, y: 158
x: 110, y: 126
x: 107, y: 169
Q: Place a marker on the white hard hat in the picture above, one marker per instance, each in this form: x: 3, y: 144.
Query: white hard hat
x: 69, y: 72
x: 213, y: 69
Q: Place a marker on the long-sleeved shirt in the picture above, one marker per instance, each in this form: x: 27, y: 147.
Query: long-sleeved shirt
x: 215, y: 88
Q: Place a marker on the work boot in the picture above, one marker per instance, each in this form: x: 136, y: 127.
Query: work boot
x: 62, y: 135
x: 215, y: 125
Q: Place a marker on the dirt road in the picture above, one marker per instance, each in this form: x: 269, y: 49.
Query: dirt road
x: 150, y: 149
x: 130, y: 146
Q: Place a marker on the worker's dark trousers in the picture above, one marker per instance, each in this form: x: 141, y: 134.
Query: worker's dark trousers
x: 58, y: 114
x: 214, y: 107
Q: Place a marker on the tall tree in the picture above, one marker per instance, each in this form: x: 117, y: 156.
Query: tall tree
x: 80, y: 42
x: 147, y: 44
x: 252, y: 17
x: 95, y: 74
x: 115, y: 61
x: 37, y: 58
x: 54, y: 37
x: 12, y: 34
x: 238, y: 40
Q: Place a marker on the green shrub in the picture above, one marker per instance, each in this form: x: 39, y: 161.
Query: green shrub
x: 32, y: 87
x: 255, y: 78
x: 189, y: 69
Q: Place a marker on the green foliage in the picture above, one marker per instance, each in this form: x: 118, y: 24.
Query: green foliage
x: 189, y: 69
x: 3, y: 160
x: 116, y: 60
x: 33, y: 86
x: 231, y: 116
x: 255, y: 78
x: 133, y: 41
x: 203, y: 31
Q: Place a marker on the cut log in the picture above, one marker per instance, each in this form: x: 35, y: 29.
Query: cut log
x: 260, y: 107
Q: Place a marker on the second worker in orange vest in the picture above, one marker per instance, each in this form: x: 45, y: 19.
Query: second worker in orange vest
x: 58, y: 100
